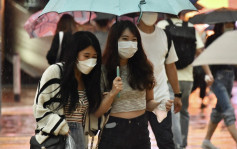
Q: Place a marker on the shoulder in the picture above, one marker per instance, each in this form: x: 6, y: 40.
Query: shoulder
x: 53, y: 71
x: 54, y: 68
x: 162, y: 24
x: 159, y: 31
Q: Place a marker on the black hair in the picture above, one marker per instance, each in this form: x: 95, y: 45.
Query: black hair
x: 140, y: 69
x: 69, y: 84
x: 53, y: 51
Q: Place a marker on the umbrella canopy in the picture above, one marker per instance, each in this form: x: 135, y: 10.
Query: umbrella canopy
x: 119, y: 7
x: 222, y: 51
x: 46, y: 25
x: 221, y: 15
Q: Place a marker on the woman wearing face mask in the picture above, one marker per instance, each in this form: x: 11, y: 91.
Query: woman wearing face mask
x: 68, y: 90
x: 222, y: 87
x: 127, y: 126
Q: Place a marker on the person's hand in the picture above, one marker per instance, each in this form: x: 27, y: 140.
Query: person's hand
x: 177, y: 104
x: 68, y: 133
x: 169, y: 104
x: 209, y: 79
x: 117, y: 86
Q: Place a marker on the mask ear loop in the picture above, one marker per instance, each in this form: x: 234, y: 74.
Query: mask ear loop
x: 139, y: 5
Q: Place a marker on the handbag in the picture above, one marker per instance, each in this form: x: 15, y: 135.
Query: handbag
x: 94, y: 124
x: 53, y: 142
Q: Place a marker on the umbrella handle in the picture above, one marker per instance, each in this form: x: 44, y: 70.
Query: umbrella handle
x: 139, y: 5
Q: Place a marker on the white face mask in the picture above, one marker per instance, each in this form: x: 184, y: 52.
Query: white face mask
x: 127, y: 49
x: 149, y: 18
x: 87, y: 65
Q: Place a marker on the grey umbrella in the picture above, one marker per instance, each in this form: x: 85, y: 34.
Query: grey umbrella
x: 221, y: 15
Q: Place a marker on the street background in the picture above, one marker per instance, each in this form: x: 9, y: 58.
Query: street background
x: 18, y: 124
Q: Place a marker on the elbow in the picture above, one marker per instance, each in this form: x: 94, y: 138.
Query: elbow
x: 98, y: 114
x: 149, y: 109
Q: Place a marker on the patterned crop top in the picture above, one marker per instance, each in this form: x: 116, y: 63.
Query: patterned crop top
x: 81, y: 109
x: 130, y: 99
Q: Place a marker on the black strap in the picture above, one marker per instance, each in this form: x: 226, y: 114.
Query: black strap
x: 52, y: 81
x: 185, y: 24
x: 170, y: 22
x: 169, y: 41
x: 61, y: 70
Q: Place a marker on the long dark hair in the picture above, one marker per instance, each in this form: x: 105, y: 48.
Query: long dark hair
x: 66, y: 24
x: 53, y: 51
x: 68, y: 86
x: 140, y: 69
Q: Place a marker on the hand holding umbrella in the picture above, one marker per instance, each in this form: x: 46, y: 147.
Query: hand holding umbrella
x: 117, y: 85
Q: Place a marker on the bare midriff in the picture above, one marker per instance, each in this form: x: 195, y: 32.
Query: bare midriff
x: 128, y: 115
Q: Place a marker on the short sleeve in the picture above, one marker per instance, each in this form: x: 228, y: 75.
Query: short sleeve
x: 172, y: 56
x: 162, y: 24
x: 199, y: 42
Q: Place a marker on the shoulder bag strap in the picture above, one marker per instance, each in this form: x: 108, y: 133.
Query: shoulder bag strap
x: 60, y: 46
x: 170, y: 22
x: 169, y: 40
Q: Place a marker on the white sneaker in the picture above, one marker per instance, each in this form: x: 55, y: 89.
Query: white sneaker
x: 206, y: 144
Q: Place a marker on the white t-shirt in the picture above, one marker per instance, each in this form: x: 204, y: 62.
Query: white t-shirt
x: 185, y: 74
x: 156, y: 47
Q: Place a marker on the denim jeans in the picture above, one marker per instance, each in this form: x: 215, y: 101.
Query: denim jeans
x: 180, y: 120
x: 222, y: 88
x: 120, y: 133
x: 77, y: 133
x: 162, y: 131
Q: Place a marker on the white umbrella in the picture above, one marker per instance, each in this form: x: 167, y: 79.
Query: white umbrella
x: 222, y: 51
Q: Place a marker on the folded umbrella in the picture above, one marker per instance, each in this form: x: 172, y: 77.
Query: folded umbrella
x: 222, y: 51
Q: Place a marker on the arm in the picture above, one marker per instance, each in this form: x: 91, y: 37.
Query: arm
x: 109, y: 97
x: 173, y: 79
x: 49, y: 121
x: 151, y: 104
x: 208, y: 75
x: 206, y: 69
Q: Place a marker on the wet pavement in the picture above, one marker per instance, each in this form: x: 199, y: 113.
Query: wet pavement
x: 17, y: 121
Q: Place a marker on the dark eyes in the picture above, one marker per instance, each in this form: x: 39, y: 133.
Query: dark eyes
x: 87, y: 56
x: 126, y: 39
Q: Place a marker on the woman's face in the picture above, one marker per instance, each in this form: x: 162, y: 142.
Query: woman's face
x: 87, y: 53
x: 127, y: 45
x: 127, y: 36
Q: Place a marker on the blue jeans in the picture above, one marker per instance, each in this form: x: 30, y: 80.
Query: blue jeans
x: 77, y: 133
x: 222, y: 88
x: 120, y: 133
x: 162, y: 131
x: 180, y: 120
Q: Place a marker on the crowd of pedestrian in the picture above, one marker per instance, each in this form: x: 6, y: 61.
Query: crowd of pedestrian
x: 137, y: 76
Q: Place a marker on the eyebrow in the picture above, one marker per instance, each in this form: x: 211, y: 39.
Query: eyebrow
x: 128, y: 36
x: 89, y: 53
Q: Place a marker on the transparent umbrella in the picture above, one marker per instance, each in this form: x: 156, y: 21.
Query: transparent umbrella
x: 222, y: 51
